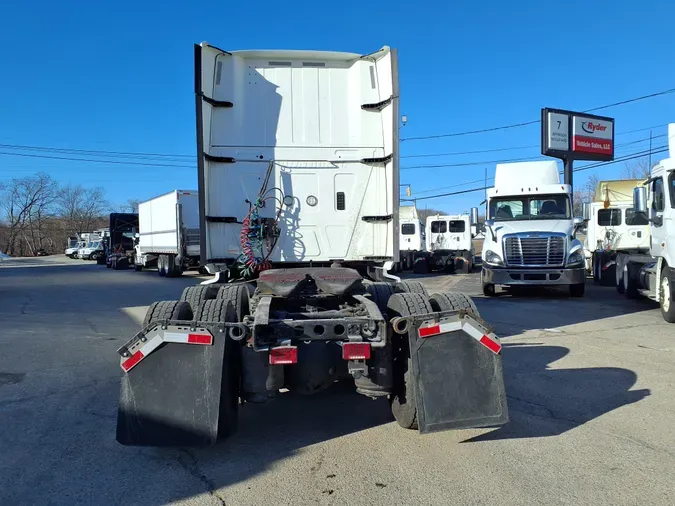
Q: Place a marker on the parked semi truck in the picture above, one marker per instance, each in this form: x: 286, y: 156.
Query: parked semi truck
x: 168, y: 233
x: 119, y: 245
x: 298, y: 190
x: 652, y: 275
x: 612, y: 228
x: 449, y: 243
x: 530, y: 231
x: 412, y: 239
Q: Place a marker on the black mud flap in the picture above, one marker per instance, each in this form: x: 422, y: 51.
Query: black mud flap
x: 173, y: 396
x: 458, y: 370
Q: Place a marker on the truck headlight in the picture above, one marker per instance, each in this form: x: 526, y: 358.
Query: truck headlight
x: 576, y: 258
x: 493, y: 258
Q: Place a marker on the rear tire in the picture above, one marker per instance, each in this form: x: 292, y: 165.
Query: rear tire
x: 410, y: 287
x: 597, y: 266
x: 666, y: 292
x: 167, y: 310
x: 172, y: 270
x: 621, y: 260
x: 196, y: 295
x: 630, y: 274
x: 404, y: 401
x: 577, y: 290
x: 380, y: 292
x: 161, y: 265
x: 421, y: 266
x: 453, y: 301
x: 488, y: 288
x: 238, y: 296
x: 222, y: 310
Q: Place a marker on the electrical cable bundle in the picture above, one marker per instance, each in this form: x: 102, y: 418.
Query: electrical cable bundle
x: 253, y: 238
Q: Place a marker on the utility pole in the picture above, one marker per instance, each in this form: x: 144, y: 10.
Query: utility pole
x: 650, y: 151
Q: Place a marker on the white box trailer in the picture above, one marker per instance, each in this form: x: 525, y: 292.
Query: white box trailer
x: 169, y: 233
x: 298, y: 186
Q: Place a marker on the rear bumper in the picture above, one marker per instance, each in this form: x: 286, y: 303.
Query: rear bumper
x: 534, y: 276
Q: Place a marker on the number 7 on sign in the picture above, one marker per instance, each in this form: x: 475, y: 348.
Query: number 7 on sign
x: 559, y: 124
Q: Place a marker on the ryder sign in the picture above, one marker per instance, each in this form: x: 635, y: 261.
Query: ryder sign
x: 593, y: 136
x: 576, y: 136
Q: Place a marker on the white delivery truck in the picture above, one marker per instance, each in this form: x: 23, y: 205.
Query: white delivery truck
x: 298, y: 188
x: 613, y: 227
x: 74, y: 244
x: 168, y: 234
x: 93, y: 250
x: 413, y: 236
x: 530, y: 230
x: 653, y: 275
x: 449, y: 243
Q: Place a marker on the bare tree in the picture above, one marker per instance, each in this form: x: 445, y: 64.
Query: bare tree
x: 424, y: 213
x: 81, y: 208
x: 131, y: 206
x: 585, y: 193
x: 27, y: 203
x: 639, y: 169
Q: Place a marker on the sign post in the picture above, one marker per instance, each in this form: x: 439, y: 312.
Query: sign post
x: 573, y: 136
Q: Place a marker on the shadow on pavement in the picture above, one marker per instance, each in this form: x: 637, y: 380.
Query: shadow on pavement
x: 548, y: 402
x: 550, y: 308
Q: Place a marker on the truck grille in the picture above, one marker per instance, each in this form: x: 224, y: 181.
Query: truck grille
x: 547, y: 251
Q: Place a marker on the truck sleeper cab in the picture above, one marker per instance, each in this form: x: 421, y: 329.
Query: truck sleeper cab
x: 530, y: 231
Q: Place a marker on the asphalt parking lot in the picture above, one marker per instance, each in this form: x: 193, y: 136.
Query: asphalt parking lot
x: 589, y: 381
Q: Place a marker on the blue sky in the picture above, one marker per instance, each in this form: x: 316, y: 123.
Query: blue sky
x: 118, y: 76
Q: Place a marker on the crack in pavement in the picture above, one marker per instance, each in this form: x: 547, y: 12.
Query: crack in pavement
x: 192, y: 467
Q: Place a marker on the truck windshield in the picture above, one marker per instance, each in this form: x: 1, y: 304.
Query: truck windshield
x: 408, y: 229
x: 530, y: 207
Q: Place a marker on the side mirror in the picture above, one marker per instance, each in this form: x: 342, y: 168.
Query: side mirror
x: 578, y: 221
x: 640, y: 199
x: 489, y: 223
x: 474, y: 216
x: 586, y: 211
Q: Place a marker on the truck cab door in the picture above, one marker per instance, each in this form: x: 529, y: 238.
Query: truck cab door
x: 658, y: 215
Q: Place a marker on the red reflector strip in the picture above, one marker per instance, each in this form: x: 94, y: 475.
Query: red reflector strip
x: 200, y: 339
x: 356, y: 351
x: 490, y: 344
x: 430, y: 331
x: 132, y: 360
x: 284, y: 355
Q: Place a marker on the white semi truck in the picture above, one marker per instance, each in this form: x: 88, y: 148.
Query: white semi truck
x: 530, y: 231
x: 168, y: 234
x: 412, y: 238
x: 652, y: 275
x: 298, y: 188
x: 612, y: 228
x: 449, y: 243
